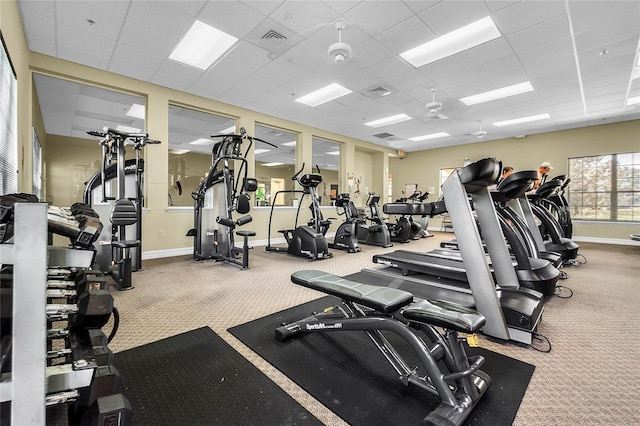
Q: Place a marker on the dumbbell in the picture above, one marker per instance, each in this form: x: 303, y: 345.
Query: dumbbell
x: 105, y: 382
x: 111, y: 410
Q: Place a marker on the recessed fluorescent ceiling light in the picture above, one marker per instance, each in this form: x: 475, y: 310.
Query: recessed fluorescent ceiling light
x: 272, y: 164
x: 503, y: 92
x: 178, y: 151
x: 398, y: 118
x: 431, y: 136
x: 202, y: 45
x: 201, y: 141
x: 326, y: 94
x: 136, y: 111
x: 261, y: 151
x: 454, y: 42
x: 522, y: 120
x: 633, y: 101
x: 127, y: 129
x: 333, y: 153
x: 228, y: 130
x: 292, y: 143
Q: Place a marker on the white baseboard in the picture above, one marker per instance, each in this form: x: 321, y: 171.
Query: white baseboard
x: 618, y: 241
x: 158, y: 254
x: 182, y: 251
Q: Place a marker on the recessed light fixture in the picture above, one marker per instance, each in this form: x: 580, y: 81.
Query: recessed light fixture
x: 202, y: 45
x: 178, y: 151
x: 228, y: 130
x: 136, y: 111
x: 633, y: 101
x: 261, y: 151
x: 398, y: 118
x: 429, y: 136
x: 201, y: 141
x: 272, y: 164
x: 292, y: 143
x: 127, y: 129
x: 503, y: 92
x: 522, y: 120
x: 326, y: 94
x: 454, y: 42
x: 333, y: 153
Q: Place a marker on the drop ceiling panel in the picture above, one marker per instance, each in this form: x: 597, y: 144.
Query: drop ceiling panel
x: 304, y: 17
x: 525, y: 14
x: 84, y: 17
x: 374, y: 17
x: 536, y: 45
x: 439, y: 17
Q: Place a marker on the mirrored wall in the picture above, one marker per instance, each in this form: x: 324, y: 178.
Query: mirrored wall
x: 69, y: 110
x: 326, y: 157
x: 190, y: 150
x: 275, y: 167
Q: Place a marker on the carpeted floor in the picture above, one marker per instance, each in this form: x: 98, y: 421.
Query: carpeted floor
x: 590, y: 376
x: 347, y: 373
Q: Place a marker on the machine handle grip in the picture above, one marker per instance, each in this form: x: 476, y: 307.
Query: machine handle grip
x: 124, y: 134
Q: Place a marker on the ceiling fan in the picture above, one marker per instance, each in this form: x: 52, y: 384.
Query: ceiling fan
x: 434, y: 107
x: 340, y: 51
x: 478, y: 133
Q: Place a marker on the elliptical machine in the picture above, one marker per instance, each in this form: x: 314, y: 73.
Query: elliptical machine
x: 217, y: 197
x: 376, y: 233
x: 305, y: 240
x: 115, y: 193
x: 346, y: 237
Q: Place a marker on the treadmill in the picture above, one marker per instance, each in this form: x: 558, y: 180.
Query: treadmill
x: 511, y: 312
x: 558, y: 242
x: 531, y: 271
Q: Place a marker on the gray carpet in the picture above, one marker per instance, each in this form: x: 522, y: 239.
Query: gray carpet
x: 590, y: 377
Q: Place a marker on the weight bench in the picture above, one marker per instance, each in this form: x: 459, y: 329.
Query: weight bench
x: 123, y: 214
x: 372, y: 309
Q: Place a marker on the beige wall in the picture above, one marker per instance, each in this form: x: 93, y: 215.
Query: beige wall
x: 164, y: 228
x: 527, y: 154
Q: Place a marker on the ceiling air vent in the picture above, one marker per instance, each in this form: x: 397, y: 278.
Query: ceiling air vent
x: 387, y: 136
x: 273, y: 38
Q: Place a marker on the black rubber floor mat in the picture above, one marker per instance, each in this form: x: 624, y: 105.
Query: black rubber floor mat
x: 348, y: 374
x: 196, y: 378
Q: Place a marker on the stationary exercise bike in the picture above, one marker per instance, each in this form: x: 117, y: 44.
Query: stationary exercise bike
x: 221, y: 194
x: 346, y: 237
x: 376, y: 232
x: 309, y: 240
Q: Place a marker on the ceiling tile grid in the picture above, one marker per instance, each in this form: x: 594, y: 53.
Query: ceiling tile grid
x: 538, y: 42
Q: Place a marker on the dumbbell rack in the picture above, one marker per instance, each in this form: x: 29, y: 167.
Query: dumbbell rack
x: 26, y: 387
x: 31, y: 385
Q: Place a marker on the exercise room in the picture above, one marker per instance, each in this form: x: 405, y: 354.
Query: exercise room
x: 291, y: 212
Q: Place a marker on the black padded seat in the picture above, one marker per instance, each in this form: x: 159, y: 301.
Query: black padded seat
x: 124, y: 244
x: 382, y: 299
x: 444, y: 314
x: 246, y: 233
x: 418, y: 209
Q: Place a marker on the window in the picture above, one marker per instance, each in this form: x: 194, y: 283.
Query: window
x: 444, y: 174
x: 275, y: 166
x: 8, y: 125
x: 326, y: 156
x: 190, y: 150
x: 605, y: 187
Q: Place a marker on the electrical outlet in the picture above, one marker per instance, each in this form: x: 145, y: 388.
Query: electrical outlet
x: 161, y: 232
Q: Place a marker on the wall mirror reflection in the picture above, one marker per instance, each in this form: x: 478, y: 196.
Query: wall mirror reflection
x: 326, y: 156
x: 275, y: 167
x: 69, y: 109
x: 190, y: 150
